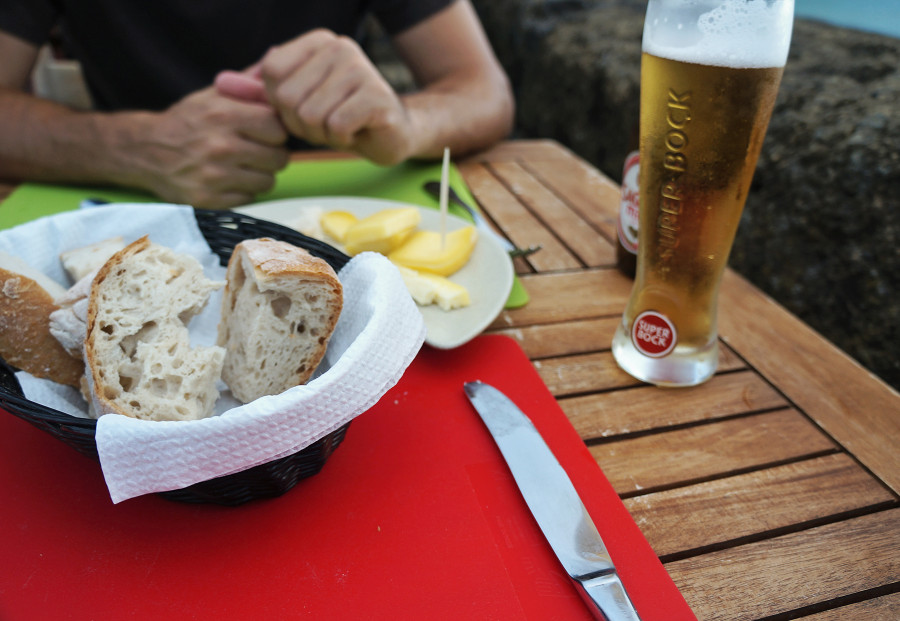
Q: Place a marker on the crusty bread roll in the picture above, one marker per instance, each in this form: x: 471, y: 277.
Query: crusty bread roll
x: 26, y: 302
x: 280, y: 307
x: 137, y: 346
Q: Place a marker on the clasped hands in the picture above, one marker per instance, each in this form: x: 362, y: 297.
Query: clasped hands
x: 221, y: 146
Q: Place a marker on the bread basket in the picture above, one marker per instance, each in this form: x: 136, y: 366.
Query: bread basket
x: 223, y: 230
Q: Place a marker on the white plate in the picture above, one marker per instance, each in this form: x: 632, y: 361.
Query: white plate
x: 488, y: 275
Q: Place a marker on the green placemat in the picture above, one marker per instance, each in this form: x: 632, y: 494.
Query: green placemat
x: 329, y: 177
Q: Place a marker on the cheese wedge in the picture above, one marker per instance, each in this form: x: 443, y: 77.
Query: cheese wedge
x: 335, y: 224
x: 423, y: 251
x: 382, y: 231
x: 427, y: 289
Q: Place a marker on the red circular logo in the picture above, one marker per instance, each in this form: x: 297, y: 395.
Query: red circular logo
x: 653, y: 334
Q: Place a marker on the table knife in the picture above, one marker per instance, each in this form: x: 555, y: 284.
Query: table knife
x: 555, y: 504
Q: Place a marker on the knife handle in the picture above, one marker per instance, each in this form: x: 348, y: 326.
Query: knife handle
x: 606, y: 596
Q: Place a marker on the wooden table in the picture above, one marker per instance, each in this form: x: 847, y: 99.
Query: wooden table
x: 770, y: 492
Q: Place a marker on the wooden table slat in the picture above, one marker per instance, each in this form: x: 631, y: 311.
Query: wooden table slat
x: 576, y: 336
x: 794, y: 571
x: 862, y: 413
x: 570, y: 375
x: 536, y: 150
x: 568, y: 296
x: 733, y: 508
x: 588, y: 191
x: 592, y: 248
x: 638, y: 410
x: 697, y: 453
x: 519, y: 226
x: 885, y: 608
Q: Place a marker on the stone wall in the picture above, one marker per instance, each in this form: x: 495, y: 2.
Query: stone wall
x: 820, y: 229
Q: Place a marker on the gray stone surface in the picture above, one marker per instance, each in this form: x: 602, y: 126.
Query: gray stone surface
x: 820, y: 229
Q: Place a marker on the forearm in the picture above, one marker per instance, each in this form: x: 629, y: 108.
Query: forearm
x: 44, y: 141
x: 463, y: 113
x: 466, y: 102
x: 205, y: 150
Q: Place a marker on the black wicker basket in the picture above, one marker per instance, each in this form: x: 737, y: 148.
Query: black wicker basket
x: 223, y: 230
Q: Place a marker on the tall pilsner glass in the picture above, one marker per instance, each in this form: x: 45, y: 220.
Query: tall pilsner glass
x: 710, y: 71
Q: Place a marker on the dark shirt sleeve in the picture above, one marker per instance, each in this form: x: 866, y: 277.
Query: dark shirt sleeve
x: 30, y: 20
x: 396, y: 16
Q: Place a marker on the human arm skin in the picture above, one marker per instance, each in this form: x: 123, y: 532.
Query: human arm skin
x: 466, y: 102
x: 206, y: 150
x: 329, y: 93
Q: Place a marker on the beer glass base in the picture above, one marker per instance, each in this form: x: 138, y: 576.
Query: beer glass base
x: 684, y: 366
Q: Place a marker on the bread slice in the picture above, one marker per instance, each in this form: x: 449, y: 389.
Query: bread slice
x: 79, y: 262
x: 26, y: 302
x: 137, y: 345
x: 68, y: 324
x: 280, y: 308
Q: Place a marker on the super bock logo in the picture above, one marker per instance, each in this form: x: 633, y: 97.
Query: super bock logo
x: 653, y: 334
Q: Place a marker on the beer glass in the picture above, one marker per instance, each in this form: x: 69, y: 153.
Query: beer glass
x: 710, y: 72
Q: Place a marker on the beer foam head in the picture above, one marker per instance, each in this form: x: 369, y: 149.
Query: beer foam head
x: 727, y: 33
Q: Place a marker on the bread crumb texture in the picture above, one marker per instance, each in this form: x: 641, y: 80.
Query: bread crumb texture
x: 280, y: 308
x: 138, y: 344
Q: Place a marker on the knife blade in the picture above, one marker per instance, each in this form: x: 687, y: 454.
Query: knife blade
x: 554, y: 503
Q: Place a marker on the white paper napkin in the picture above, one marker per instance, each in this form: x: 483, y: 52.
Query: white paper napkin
x: 378, y: 334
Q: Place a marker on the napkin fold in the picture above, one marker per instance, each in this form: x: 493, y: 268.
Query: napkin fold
x: 379, y: 332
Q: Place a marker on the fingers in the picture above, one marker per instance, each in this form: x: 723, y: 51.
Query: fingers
x: 256, y: 157
x: 234, y: 172
x: 215, y: 151
x: 258, y: 122
x: 328, y: 92
x: 243, y: 187
x: 315, y: 98
x: 261, y: 125
x: 241, y: 86
x: 307, y: 78
x: 216, y: 185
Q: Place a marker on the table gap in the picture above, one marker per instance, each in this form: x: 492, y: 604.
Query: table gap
x: 731, y: 473
x: 837, y: 602
x: 777, y: 532
x: 598, y: 441
x: 497, y: 328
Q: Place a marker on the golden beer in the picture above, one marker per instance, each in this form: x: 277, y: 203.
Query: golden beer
x: 702, y: 128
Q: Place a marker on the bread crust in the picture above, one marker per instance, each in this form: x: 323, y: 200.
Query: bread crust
x: 273, y: 259
x: 102, y: 274
x: 99, y: 404
x: 25, y: 339
x: 278, y: 272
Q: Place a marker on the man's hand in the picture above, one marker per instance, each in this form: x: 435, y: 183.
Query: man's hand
x: 210, y: 150
x: 327, y: 92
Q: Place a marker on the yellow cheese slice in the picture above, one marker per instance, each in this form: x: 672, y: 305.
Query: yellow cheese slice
x: 427, y: 289
x: 423, y: 251
x: 382, y: 231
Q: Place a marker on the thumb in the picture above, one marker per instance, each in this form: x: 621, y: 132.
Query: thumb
x: 241, y: 85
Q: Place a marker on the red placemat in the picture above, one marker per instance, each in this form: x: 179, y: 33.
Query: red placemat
x: 415, y: 516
